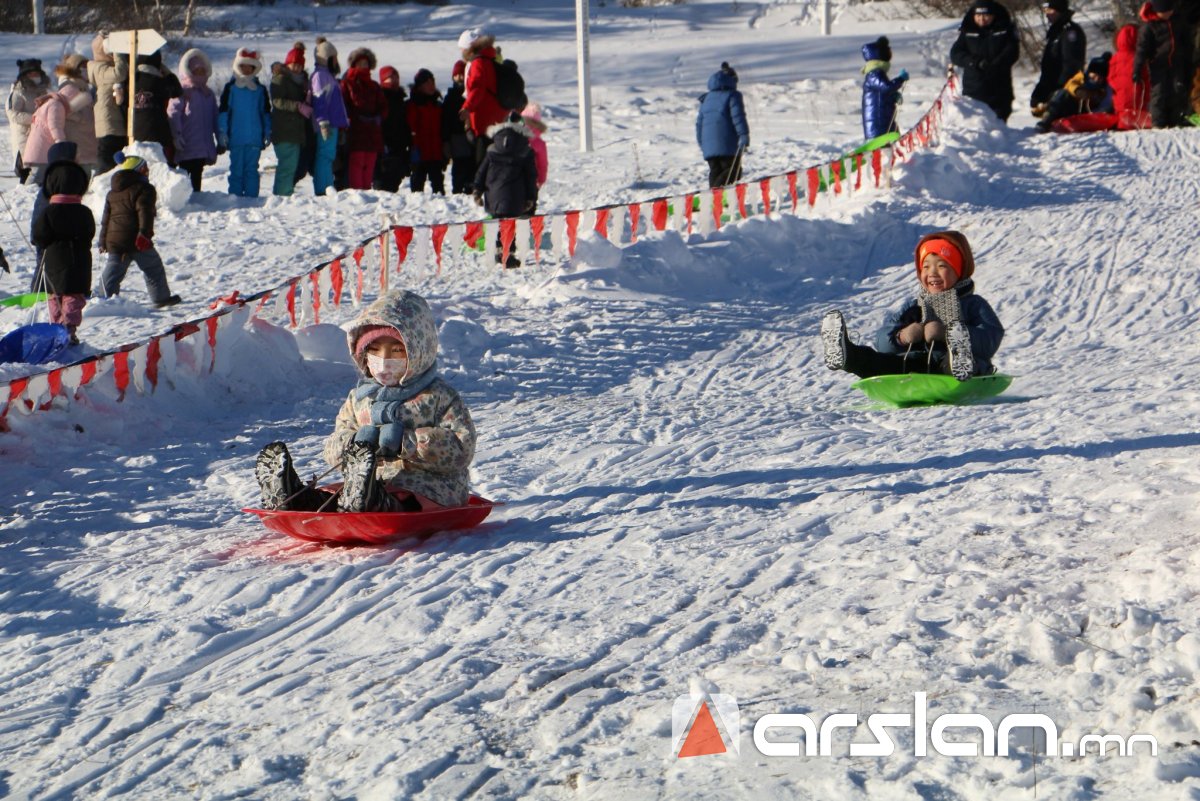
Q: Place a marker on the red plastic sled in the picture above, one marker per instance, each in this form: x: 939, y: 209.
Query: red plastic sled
x: 374, y: 528
x: 1085, y: 123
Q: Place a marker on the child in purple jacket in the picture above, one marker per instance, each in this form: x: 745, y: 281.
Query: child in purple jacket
x: 328, y: 115
x: 193, y: 117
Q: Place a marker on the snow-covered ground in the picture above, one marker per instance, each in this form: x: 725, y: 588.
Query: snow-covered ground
x: 693, y: 502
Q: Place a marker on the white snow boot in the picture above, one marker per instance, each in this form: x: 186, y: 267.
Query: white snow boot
x: 958, y: 346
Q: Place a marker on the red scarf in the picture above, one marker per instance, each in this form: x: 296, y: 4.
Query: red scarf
x: 56, y: 199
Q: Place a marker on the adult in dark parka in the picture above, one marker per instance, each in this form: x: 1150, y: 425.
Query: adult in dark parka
x: 1064, y: 55
x: 986, y: 50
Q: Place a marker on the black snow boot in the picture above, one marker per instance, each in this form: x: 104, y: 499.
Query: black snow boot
x: 834, y: 342
x: 277, y: 477
x: 360, y: 488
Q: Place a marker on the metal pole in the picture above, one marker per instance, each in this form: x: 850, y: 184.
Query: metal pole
x: 826, y: 18
x: 39, y: 17
x: 585, y: 77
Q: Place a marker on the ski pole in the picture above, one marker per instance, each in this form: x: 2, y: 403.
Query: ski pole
x: 733, y: 167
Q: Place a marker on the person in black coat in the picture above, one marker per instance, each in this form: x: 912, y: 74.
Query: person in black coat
x: 506, y: 182
x: 1162, y: 47
x: 457, y: 137
x: 154, y: 86
x: 1064, y: 55
x: 393, y: 165
x: 986, y: 50
x: 64, y: 231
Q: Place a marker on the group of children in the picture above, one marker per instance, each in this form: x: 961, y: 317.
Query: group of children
x: 404, y: 439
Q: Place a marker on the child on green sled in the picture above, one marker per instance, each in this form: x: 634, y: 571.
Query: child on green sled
x: 947, y: 328
x: 403, y: 438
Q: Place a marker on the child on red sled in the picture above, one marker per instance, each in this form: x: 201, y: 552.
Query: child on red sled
x: 404, y: 437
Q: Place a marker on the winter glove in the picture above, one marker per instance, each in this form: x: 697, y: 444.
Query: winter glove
x: 305, y: 110
x: 118, y: 92
x: 391, y: 440
x: 934, y: 331
x: 4, y: 263
x: 266, y: 143
x: 744, y: 142
x: 325, y: 130
x: 367, y: 434
x: 222, y: 150
x: 910, y: 334
x: 478, y: 199
x: 142, y: 242
x: 903, y: 76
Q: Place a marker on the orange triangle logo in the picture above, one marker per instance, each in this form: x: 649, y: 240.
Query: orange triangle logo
x: 704, y: 737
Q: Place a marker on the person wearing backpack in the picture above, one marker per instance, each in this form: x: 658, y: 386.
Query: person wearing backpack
x: 481, y: 106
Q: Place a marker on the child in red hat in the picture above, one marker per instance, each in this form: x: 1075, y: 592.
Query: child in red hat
x: 947, y: 328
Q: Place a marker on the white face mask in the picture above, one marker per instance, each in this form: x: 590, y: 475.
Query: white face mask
x: 388, y: 372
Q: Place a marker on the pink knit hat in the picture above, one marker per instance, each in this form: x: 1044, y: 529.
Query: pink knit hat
x: 371, y: 334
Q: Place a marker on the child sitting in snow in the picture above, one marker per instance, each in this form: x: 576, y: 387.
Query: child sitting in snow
x: 880, y: 95
x: 1086, y: 92
x: 946, y: 329
x: 404, y: 438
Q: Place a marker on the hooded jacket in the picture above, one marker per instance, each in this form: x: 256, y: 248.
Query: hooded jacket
x: 721, y: 126
x: 366, y: 108
x: 423, y: 113
x: 327, y: 103
x: 104, y: 72
x: 64, y: 115
x: 983, y: 325
x: 1064, y: 55
x: 244, y: 114
x: 986, y: 57
x: 439, y: 436
x: 288, y: 90
x: 507, y: 178
x: 880, y: 95
x: 479, y: 98
x: 193, y: 115
x: 128, y: 211
x: 65, y: 231
x: 1161, y: 46
x: 22, y: 103
x: 1131, y: 98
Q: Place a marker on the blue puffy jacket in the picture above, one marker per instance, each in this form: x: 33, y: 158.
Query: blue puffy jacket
x: 245, y: 115
x: 721, y: 124
x: 879, y: 95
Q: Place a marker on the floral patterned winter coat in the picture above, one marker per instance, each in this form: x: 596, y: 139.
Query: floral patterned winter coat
x: 439, y: 437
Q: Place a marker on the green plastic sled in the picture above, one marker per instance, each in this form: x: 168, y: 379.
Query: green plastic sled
x: 928, y: 389
x: 26, y: 301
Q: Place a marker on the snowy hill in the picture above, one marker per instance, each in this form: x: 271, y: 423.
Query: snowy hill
x: 693, y: 502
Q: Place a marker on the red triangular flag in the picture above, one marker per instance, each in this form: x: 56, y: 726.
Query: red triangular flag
x: 335, y: 280
x: 54, y: 380
x: 718, y: 205
x: 740, y: 191
x: 792, y: 190
x: 765, y: 187
x: 659, y: 214
x: 876, y: 165
x: 291, y: 301
x: 472, y: 232
x: 121, y: 372
x: 602, y: 222
x: 688, y: 210
x: 537, y: 226
x: 508, y: 233
x: 357, y: 255
x: 211, y: 325
x: 404, y: 236
x: 153, y: 356
x: 835, y: 169
x: 572, y: 231
x: 814, y: 184
x: 439, y: 236
x: 635, y: 214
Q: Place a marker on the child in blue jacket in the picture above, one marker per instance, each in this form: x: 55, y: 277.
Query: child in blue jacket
x: 721, y: 128
x: 947, y: 328
x: 244, y: 122
x: 880, y: 96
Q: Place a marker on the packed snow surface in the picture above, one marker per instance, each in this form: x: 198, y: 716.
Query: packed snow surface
x: 693, y: 502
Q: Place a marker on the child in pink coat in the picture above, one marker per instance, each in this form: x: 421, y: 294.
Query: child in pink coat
x: 532, y: 115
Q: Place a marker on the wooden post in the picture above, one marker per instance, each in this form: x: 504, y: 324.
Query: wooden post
x: 132, y: 93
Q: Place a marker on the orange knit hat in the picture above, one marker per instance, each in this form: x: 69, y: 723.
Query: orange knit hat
x: 944, y: 248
